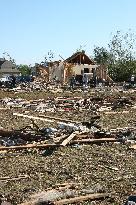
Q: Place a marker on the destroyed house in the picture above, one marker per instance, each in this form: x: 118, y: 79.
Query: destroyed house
x: 78, y: 65
x: 7, y: 68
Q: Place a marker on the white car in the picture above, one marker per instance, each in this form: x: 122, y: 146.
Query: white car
x: 5, y: 81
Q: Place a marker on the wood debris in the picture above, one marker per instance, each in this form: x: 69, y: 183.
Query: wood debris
x: 66, y: 142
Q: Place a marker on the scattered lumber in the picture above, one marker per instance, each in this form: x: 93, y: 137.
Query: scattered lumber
x: 133, y: 146
x: 67, y: 184
x: 67, y: 140
x: 32, y: 117
x: 60, y: 119
x: 14, y: 178
x: 43, y: 198
x: 99, y: 140
x: 45, y: 118
x: 81, y: 198
x: 64, y: 143
x: 108, y: 167
x: 122, y: 129
x: 116, y: 112
x: 28, y: 146
x: 85, y: 136
x: 52, y: 119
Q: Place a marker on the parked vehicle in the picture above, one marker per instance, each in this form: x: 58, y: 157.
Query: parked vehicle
x: 6, y: 81
x: 23, y: 79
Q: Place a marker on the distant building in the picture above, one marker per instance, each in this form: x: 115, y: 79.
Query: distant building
x: 8, y: 68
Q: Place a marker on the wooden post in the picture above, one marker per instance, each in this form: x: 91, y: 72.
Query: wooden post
x: 80, y: 59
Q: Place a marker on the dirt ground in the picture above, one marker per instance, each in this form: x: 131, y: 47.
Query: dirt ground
x: 105, y: 168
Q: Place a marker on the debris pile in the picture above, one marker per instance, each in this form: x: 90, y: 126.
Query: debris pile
x: 74, y: 140
x: 99, y: 104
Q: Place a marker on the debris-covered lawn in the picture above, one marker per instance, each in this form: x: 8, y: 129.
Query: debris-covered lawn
x: 106, y: 168
x: 93, y: 168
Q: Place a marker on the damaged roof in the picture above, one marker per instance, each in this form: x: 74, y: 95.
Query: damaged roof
x: 80, y: 58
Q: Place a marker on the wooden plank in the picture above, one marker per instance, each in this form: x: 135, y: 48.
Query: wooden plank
x: 14, y: 178
x: 100, y: 140
x: 28, y: 146
x: 133, y: 146
x: 72, y: 200
x: 49, y: 118
x: 116, y: 112
x: 32, y: 117
x: 60, y: 119
x: 81, y: 198
x: 67, y: 140
x: 85, y: 136
x: 67, y: 184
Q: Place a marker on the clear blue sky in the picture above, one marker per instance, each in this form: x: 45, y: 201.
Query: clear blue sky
x: 30, y: 28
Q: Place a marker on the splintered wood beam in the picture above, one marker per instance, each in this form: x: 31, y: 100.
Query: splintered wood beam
x: 28, y: 146
x: 67, y: 140
x: 100, y: 140
x: 14, y: 178
x: 76, y: 200
x: 60, y: 119
x: 133, y: 146
x: 32, y: 117
x: 82, y: 198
